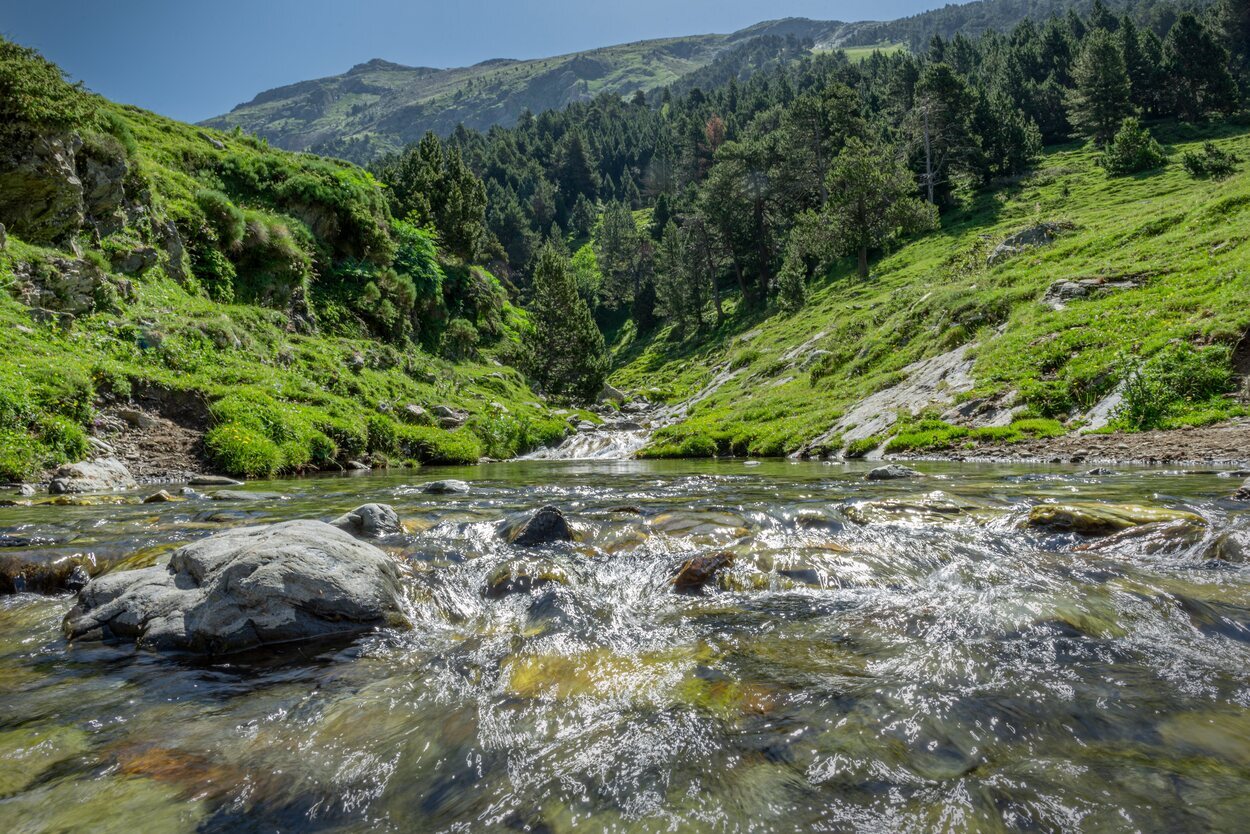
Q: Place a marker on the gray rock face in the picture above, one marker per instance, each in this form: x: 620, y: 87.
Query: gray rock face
x: 136, y: 261
x: 547, y: 526
x: 40, y: 193
x: 100, y: 475
x: 103, y: 195
x: 1060, y: 293
x: 244, y: 589
x: 612, y: 393
x: 414, y: 413
x: 892, y: 472
x: 1040, y: 235
x: 448, y: 487
x: 63, y: 285
x: 370, y: 521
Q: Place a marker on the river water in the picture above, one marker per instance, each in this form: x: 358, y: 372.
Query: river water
x: 900, y: 656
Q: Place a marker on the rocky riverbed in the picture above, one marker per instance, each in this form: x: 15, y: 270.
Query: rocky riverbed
x: 619, y: 645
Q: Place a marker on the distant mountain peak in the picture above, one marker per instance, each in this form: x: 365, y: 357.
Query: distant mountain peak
x: 378, y: 64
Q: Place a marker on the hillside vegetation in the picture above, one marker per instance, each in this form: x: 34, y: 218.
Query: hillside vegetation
x: 268, y: 297
x: 1183, y: 242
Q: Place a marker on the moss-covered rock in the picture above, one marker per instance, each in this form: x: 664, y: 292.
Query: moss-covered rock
x: 1102, y: 519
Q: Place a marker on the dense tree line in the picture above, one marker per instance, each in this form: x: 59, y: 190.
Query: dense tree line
x: 762, y: 180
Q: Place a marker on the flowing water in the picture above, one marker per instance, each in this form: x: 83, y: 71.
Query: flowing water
x: 900, y: 656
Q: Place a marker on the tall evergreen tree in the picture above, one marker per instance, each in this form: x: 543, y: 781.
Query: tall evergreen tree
x: 1100, y: 101
x: 871, y: 201
x: 567, y: 354
x: 1232, y: 19
x: 1197, y: 71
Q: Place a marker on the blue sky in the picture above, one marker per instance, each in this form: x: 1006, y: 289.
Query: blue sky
x: 192, y: 60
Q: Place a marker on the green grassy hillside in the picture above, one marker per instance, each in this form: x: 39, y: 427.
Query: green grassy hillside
x: 379, y: 107
x: 1182, y: 242
x: 270, y: 293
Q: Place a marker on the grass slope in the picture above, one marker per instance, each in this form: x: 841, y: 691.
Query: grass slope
x: 274, y: 395
x: 1183, y: 240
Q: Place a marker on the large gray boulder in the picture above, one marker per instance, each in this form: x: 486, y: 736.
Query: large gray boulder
x: 248, y: 588
x: 99, y: 475
x: 370, y: 521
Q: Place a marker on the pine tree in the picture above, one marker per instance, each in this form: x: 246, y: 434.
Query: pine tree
x: 1140, y: 72
x: 567, y: 354
x: 1197, y: 71
x: 577, y: 176
x: 1232, y: 18
x: 1101, y: 99
x: 660, y: 215
x: 871, y: 201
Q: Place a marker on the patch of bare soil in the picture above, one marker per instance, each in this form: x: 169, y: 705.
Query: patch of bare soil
x: 1223, y: 443
x: 154, y: 448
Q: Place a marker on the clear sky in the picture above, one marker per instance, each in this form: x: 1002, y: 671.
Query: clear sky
x: 192, y: 60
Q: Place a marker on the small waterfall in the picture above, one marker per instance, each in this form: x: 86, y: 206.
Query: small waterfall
x: 618, y: 438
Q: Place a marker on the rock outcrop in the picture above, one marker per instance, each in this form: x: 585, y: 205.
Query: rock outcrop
x: 1060, y: 293
x: 248, y: 588
x: 1042, y: 234
x: 100, y: 475
x: 41, y: 196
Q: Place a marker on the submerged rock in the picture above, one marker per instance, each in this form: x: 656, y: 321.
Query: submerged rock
x: 246, y: 589
x: 1233, y: 545
x: 522, y: 576
x: 213, y: 480
x: 100, y: 475
x: 1102, y: 519
x: 696, y: 573
x: 1243, y: 492
x: 370, y: 521
x: 35, y: 572
x: 448, y: 487
x: 546, y: 526
x: 892, y: 472
x: 237, y: 495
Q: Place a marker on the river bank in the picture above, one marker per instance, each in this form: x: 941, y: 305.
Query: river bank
x: 1223, y: 444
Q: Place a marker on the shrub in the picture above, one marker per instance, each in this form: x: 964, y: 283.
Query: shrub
x: 34, y: 96
x: 1133, y: 150
x: 19, y: 454
x: 237, y: 450
x: 66, y: 441
x: 383, y: 435
x: 1211, y: 162
x: 349, y: 436
x: 861, y: 447
x: 460, y: 340
x: 225, y: 218
x: 436, y: 446
x: 1177, y: 378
